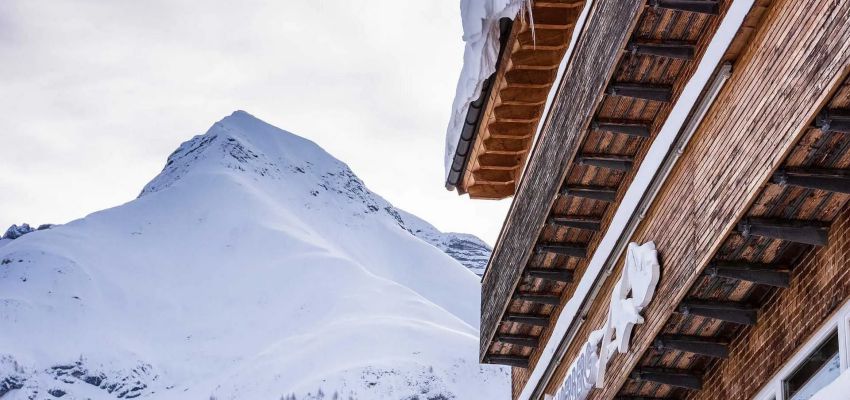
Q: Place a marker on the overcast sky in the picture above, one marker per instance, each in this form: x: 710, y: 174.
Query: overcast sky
x: 96, y: 94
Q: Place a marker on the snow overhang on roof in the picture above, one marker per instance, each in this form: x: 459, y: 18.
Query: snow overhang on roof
x: 508, y: 73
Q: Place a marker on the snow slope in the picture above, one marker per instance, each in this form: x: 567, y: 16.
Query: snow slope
x: 255, y: 266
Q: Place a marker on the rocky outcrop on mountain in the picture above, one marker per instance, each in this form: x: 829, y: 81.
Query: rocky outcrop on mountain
x: 16, y: 231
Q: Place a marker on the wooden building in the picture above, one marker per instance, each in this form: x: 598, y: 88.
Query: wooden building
x: 719, y: 130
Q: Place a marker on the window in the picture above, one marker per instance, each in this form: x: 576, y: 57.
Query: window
x: 816, y: 364
x: 816, y: 371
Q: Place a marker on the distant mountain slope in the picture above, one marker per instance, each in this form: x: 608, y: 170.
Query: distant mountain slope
x: 255, y: 266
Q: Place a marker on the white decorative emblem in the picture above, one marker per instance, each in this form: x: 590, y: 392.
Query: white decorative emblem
x: 640, y: 276
x: 633, y: 292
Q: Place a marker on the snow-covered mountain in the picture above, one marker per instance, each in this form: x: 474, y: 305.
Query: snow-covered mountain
x: 255, y: 266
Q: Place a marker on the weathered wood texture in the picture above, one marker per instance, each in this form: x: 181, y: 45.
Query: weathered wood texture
x: 782, y: 78
x: 595, y: 59
x: 820, y: 285
x: 518, y: 96
x: 652, y: 25
x: 817, y: 149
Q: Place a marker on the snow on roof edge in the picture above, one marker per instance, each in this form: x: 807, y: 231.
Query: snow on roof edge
x: 480, y: 20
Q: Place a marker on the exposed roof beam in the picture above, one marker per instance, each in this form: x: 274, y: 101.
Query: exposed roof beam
x: 677, y: 50
x: 834, y: 121
x: 502, y: 136
x: 626, y: 128
x: 723, y: 310
x: 831, y: 180
x: 524, y: 102
x: 640, y: 398
x: 672, y: 377
x: 558, y: 27
x: 602, y: 193
x: 519, y: 340
x: 528, y: 319
x: 706, y: 346
x: 697, y: 6
x: 619, y: 163
x: 558, y: 4
x: 569, y: 250
x: 798, y: 231
x: 513, y: 361
x: 552, y: 274
x: 540, y: 298
x: 762, y: 274
x: 586, y: 223
x: 641, y: 91
x: 528, y: 85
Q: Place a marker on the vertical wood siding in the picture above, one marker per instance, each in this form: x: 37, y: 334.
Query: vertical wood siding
x: 784, y: 76
x: 595, y: 58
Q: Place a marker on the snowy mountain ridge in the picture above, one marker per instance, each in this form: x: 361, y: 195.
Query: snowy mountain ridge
x: 242, y: 155
x: 254, y: 266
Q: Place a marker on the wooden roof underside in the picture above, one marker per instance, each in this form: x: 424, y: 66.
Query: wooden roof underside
x: 517, y: 96
x: 596, y: 153
x: 810, y: 189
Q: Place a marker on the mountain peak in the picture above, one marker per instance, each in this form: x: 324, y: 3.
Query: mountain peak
x: 287, y: 167
x: 239, y: 142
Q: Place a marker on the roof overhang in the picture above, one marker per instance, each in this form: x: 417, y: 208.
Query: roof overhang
x: 500, y: 125
x: 611, y: 104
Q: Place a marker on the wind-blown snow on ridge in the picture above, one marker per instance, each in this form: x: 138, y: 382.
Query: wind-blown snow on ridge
x: 254, y: 266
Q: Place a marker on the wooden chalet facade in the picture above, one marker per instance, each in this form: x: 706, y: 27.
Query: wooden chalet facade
x: 720, y: 131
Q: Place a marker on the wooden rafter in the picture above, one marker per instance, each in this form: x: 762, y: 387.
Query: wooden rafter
x: 510, y: 360
x: 706, y: 346
x: 585, y: 223
x: 569, y: 250
x: 641, y: 91
x: 551, y: 274
x: 762, y: 274
x: 728, y: 311
x: 601, y: 193
x: 640, y: 398
x: 527, y: 319
x: 672, y: 377
x: 670, y: 49
x: 615, y: 162
x: 632, y: 128
x: 836, y: 180
x: 540, y: 298
x: 697, y: 6
x: 798, y: 231
x: 519, y: 340
x: 834, y: 121
x: 558, y: 4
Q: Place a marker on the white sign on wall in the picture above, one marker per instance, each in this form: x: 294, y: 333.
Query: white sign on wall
x: 633, y: 292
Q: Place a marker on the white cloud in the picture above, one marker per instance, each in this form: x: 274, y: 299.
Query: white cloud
x: 96, y: 94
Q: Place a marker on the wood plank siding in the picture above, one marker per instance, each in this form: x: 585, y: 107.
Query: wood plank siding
x: 790, y: 69
x: 655, y: 25
x: 595, y: 59
x: 601, y: 143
